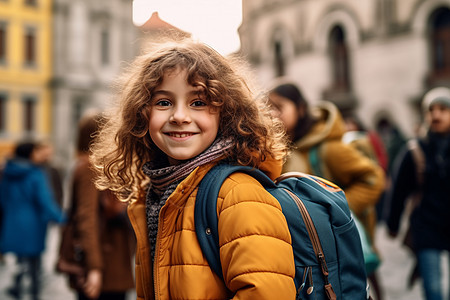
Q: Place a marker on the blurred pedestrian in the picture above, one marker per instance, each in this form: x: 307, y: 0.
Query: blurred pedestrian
x: 43, y: 158
x: 27, y: 205
x: 2, y: 166
x: 392, y: 139
x: 422, y: 175
x: 99, y: 227
x: 368, y: 142
x: 316, y: 134
x: 370, y: 145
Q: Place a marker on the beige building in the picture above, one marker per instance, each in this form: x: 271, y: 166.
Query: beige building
x: 92, y: 43
x: 374, y: 57
x: 25, y: 72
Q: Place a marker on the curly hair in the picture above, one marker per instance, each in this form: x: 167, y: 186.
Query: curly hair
x: 124, y: 145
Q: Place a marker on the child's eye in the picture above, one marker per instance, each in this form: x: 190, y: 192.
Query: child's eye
x: 198, y: 103
x: 163, y: 102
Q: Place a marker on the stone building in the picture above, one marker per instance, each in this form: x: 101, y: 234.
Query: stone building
x: 375, y: 57
x: 93, y: 41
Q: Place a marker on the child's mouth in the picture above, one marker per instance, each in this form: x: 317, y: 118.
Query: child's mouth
x: 179, y: 134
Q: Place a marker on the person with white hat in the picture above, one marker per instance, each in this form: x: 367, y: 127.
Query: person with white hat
x: 423, y: 173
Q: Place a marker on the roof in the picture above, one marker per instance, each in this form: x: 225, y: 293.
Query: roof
x: 155, y: 23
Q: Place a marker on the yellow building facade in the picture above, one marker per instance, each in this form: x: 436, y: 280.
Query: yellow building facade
x: 25, y: 71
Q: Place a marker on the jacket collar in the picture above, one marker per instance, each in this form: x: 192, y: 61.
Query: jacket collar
x: 329, y: 126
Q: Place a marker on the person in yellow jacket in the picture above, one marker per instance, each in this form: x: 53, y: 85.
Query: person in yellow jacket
x: 184, y: 108
x: 316, y: 134
x: 317, y: 131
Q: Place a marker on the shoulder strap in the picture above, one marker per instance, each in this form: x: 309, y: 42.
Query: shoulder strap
x: 419, y: 159
x: 314, y: 160
x: 205, y: 213
x: 318, y: 166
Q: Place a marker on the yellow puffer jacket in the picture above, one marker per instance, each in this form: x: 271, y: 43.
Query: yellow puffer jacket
x: 361, y: 179
x: 255, y: 244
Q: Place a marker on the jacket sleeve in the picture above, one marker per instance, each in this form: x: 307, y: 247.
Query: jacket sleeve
x: 255, y: 243
x: 362, y: 180
x: 404, y: 179
x: 87, y: 215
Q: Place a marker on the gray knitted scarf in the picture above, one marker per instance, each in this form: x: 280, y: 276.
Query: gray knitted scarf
x: 165, y: 179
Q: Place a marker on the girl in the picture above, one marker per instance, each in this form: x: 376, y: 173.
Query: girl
x: 317, y: 133
x: 183, y: 109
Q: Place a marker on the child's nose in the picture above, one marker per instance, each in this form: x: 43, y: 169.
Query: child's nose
x: 180, y: 115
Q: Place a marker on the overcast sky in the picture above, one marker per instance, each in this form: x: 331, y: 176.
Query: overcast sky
x: 214, y: 22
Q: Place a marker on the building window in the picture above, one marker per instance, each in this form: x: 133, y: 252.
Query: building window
x: 3, y: 103
x: 29, y: 114
x: 3, y: 41
x: 104, y: 47
x: 339, y: 60
x: 440, y: 44
x: 279, y: 59
x: 30, y: 46
x: 77, y: 110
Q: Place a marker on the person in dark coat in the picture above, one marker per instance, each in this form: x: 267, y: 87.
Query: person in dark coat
x: 429, y: 185
x: 28, y: 205
x: 101, y: 226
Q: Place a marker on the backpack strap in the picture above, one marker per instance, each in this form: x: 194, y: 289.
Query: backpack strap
x: 314, y: 161
x: 318, y: 166
x: 419, y: 159
x: 205, y: 212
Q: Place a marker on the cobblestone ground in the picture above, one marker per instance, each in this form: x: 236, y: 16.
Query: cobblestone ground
x: 392, y: 273
x: 54, y: 285
x: 394, y: 270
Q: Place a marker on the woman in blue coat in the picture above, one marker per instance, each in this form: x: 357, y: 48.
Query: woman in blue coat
x: 27, y: 205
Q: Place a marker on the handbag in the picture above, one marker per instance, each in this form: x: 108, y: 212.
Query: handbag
x: 71, y: 254
x: 71, y: 259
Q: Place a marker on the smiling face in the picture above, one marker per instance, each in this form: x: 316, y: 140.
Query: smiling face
x: 182, y: 123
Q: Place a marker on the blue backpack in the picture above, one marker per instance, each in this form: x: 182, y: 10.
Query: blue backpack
x: 329, y: 262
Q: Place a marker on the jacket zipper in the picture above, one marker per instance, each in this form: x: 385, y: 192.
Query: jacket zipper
x: 314, y: 237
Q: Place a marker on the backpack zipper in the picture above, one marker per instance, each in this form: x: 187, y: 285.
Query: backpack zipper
x: 315, y: 241
x: 307, y: 278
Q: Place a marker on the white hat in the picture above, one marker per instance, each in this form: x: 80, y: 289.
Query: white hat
x: 436, y: 95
